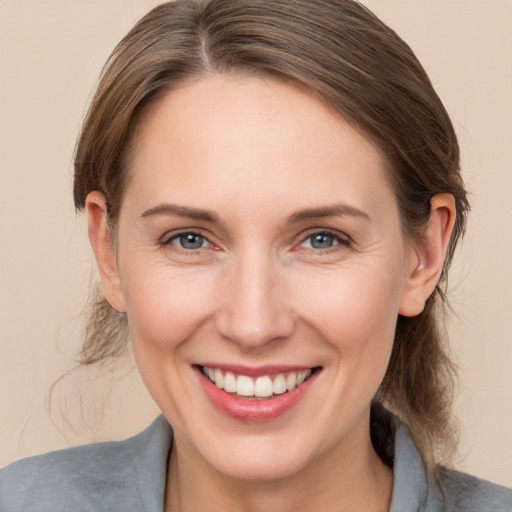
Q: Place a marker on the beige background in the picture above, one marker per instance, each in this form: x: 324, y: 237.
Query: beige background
x: 51, y: 53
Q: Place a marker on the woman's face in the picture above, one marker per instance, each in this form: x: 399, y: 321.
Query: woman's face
x: 259, y: 240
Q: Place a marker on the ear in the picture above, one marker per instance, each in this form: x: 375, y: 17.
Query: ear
x: 100, y: 237
x: 426, y: 256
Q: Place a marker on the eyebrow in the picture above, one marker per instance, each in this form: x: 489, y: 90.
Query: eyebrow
x: 335, y: 210
x: 182, y: 211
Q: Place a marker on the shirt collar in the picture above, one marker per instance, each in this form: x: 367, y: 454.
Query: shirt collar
x: 410, y: 487
x: 151, y: 450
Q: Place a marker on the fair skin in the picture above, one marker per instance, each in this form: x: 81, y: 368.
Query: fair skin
x: 259, y: 233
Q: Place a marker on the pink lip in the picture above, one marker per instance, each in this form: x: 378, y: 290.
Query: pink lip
x: 254, y: 411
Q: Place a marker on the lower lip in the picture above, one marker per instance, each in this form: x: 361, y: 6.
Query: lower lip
x: 254, y: 411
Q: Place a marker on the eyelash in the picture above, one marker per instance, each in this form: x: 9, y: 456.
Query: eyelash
x: 341, y: 240
x: 338, y: 240
x: 168, y: 241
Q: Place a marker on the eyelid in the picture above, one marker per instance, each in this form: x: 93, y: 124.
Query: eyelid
x: 169, y: 236
x: 341, y: 237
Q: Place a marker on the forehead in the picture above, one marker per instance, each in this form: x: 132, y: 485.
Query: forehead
x: 225, y: 136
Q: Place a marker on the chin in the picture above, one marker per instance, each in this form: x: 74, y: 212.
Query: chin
x: 263, y: 461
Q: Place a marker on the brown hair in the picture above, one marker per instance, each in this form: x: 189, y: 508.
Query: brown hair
x: 340, y: 52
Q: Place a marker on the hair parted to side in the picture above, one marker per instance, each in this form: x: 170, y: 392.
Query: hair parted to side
x: 345, y: 56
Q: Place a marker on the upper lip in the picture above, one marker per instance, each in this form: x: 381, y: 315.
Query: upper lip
x: 255, y: 371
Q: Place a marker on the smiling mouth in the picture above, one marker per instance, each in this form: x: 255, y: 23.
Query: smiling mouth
x: 262, y: 387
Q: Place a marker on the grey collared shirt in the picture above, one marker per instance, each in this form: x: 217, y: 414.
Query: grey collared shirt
x: 130, y: 475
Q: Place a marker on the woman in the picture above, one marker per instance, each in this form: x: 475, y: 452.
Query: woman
x: 274, y: 198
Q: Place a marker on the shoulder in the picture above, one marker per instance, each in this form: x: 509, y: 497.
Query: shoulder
x: 100, y: 476
x: 460, y: 492
x: 415, y: 488
x: 58, y: 480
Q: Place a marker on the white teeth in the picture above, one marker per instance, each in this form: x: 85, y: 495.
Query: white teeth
x: 302, y: 376
x: 261, y: 387
x: 291, y: 381
x: 279, y: 386
x: 244, y: 386
x: 230, y: 383
x: 219, y: 378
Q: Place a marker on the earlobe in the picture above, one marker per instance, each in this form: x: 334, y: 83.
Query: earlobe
x: 426, y: 256
x: 102, y: 245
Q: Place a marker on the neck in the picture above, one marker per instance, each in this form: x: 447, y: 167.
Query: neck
x: 348, y: 477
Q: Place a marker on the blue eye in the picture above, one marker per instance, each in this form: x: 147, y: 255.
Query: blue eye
x: 321, y: 241
x: 189, y: 241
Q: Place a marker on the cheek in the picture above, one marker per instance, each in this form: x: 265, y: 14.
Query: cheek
x: 353, y: 312
x: 164, y: 307
x: 353, y: 308
x: 165, y: 310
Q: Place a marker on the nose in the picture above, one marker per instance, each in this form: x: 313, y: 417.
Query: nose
x: 255, y: 311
